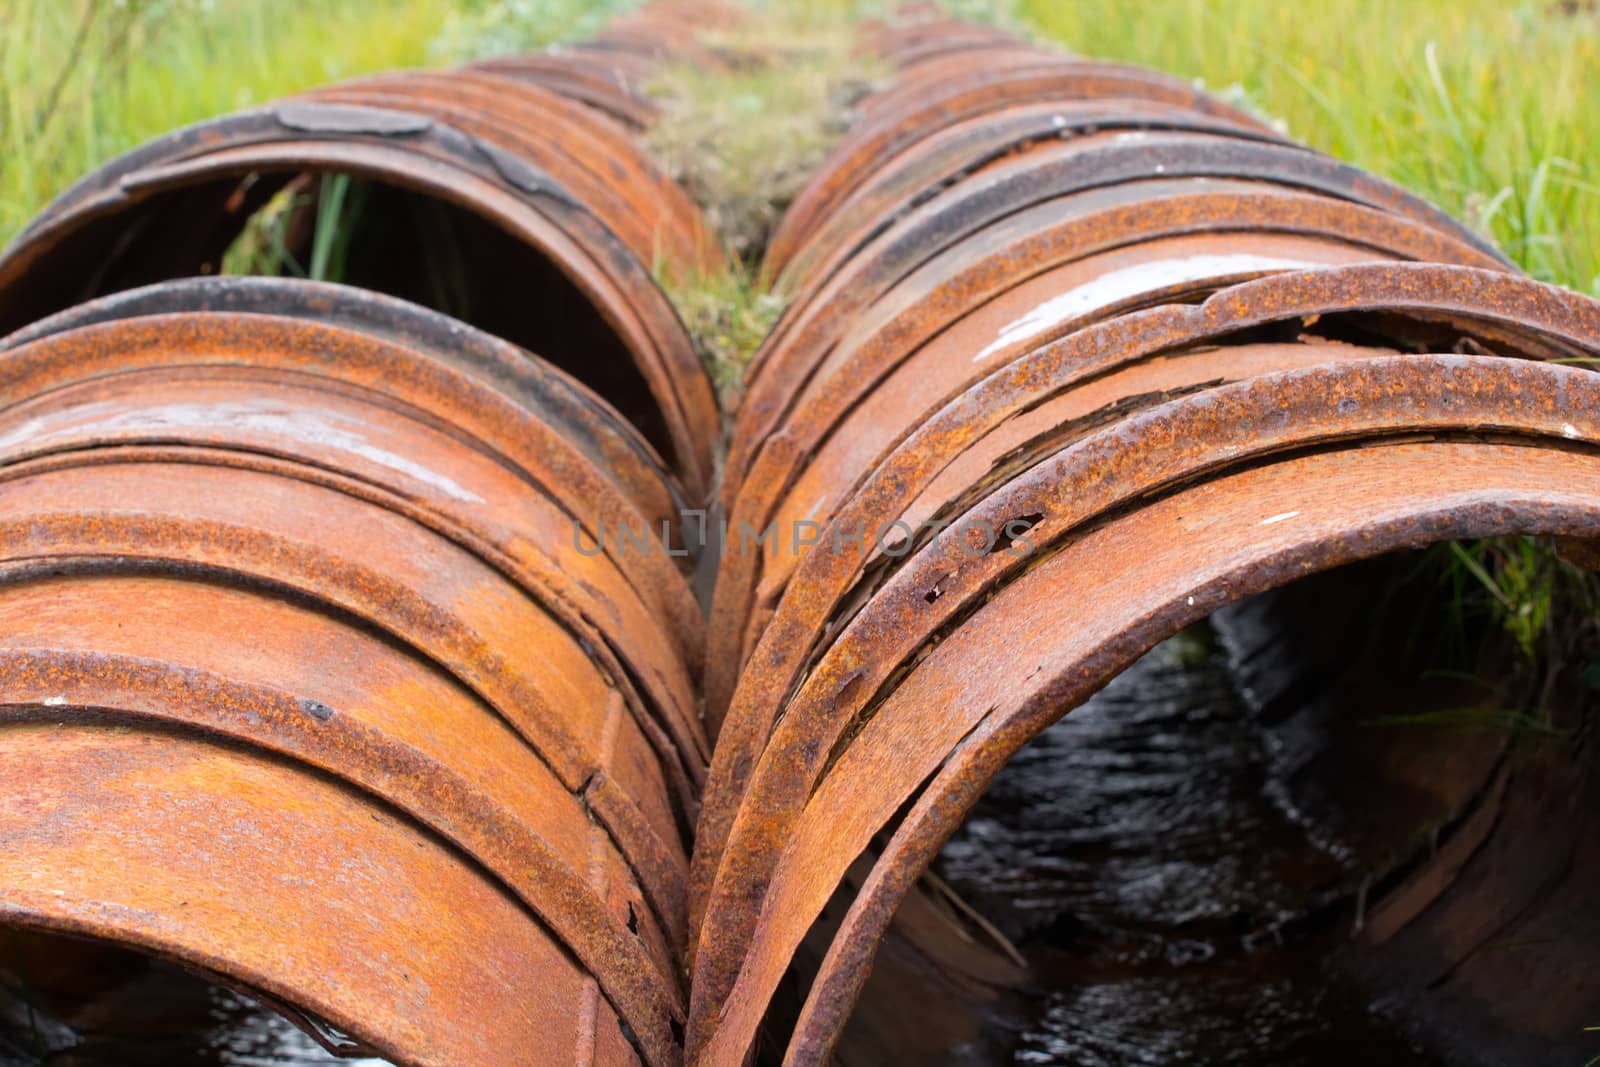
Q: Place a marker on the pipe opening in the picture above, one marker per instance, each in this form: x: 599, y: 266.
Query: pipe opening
x: 71, y: 1000
x: 1344, y: 818
x: 359, y: 231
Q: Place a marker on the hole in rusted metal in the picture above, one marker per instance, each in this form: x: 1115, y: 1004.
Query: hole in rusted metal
x: 1015, y: 530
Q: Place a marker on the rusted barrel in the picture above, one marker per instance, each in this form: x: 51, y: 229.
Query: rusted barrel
x: 325, y: 671
x: 1044, y: 200
x: 612, y: 71
x: 612, y: 83
x: 526, y: 212
x: 672, y: 30
x: 318, y: 690
x: 1076, y: 356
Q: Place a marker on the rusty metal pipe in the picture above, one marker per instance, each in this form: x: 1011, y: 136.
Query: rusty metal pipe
x: 613, y: 446
x: 1551, y: 324
x: 266, y: 848
x: 305, y: 565
x: 945, y: 94
x: 308, y: 563
x: 377, y: 512
x: 1379, y: 396
x: 998, y: 294
x: 1486, y: 495
x: 521, y: 159
x: 1058, y: 170
x: 1221, y: 333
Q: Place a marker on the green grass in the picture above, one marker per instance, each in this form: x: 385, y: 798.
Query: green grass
x: 82, y: 80
x: 1548, y: 607
x: 729, y: 313
x: 477, y: 30
x: 743, y: 142
x: 1490, y: 109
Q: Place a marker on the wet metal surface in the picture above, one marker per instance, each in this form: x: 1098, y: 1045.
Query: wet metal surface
x: 320, y: 696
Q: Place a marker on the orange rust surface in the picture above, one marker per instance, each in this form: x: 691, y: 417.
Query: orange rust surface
x: 307, y: 684
x: 1184, y: 359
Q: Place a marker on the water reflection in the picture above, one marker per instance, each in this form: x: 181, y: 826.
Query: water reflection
x: 127, y: 1011
x: 1136, y: 854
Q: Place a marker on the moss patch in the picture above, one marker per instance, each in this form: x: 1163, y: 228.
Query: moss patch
x: 743, y: 141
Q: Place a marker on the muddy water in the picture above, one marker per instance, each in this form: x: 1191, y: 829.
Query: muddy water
x: 1142, y: 857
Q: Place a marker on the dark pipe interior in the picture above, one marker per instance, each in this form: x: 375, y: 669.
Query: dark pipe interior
x: 399, y: 242
x: 1309, y: 830
x: 66, y: 1002
x: 476, y: 272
